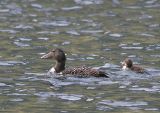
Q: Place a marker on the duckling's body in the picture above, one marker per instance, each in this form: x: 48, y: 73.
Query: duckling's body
x: 59, y: 68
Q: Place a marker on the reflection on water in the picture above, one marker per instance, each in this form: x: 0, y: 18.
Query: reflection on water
x: 96, y: 33
x: 10, y: 63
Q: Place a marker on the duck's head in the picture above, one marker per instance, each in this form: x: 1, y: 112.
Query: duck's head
x: 56, y: 54
x: 127, y: 63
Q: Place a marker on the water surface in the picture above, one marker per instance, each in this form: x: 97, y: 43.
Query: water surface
x: 96, y: 33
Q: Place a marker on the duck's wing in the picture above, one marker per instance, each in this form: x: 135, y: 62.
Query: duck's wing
x: 84, y: 72
x: 138, y: 69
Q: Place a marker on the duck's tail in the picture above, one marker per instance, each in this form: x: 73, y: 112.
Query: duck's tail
x: 103, y: 74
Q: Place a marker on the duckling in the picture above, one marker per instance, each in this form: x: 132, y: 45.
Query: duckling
x: 128, y: 64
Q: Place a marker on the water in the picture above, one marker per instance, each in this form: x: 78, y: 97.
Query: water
x: 96, y: 33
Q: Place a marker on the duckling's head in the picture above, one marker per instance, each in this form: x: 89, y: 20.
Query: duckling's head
x: 127, y: 63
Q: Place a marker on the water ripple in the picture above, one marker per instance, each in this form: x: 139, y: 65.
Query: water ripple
x: 153, y: 47
x: 146, y: 35
x: 88, y: 2
x: 17, y: 94
x: 4, y: 10
x: 10, y: 63
x: 14, y: 8
x: 48, y: 32
x: 2, y: 84
x: 156, y: 56
x: 91, y: 31
x: 103, y: 108
x: 73, y: 32
x: 66, y: 43
x: 43, y: 38
x: 151, y: 109
x: 71, y: 8
x: 109, y: 14
x: 133, y: 7
x: 9, y: 31
x: 145, y: 16
x: 153, y: 6
x: 117, y: 35
x: 20, y: 44
x: 59, y: 23
x: 24, y: 27
x: 17, y: 100
x: 151, y: 90
x: 123, y: 103
x: 35, y: 5
x: 138, y: 48
x: 107, y: 82
x: 108, y: 65
x: 134, y: 46
x: 61, y: 81
x: 69, y: 97
x: 24, y: 39
x: 150, y: 1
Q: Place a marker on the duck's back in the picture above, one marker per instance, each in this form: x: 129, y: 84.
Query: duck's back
x: 137, y: 69
x: 84, y: 72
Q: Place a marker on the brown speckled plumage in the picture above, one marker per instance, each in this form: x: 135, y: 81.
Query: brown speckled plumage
x: 83, y: 72
x: 59, y: 56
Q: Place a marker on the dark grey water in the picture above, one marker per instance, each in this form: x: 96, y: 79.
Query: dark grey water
x: 97, y: 33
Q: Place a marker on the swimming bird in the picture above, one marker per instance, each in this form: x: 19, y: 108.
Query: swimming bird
x: 128, y: 64
x: 59, y: 69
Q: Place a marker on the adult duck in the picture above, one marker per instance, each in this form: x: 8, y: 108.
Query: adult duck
x: 59, y: 69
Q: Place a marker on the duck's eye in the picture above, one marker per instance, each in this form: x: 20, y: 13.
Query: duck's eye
x: 53, y: 51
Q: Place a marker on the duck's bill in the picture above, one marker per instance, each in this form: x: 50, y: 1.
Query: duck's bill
x: 122, y: 63
x: 47, y: 56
